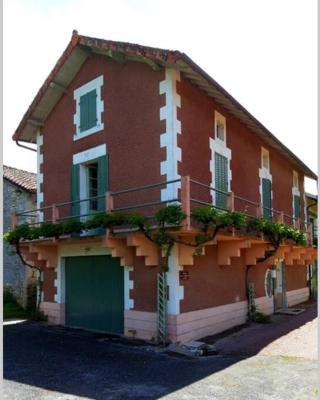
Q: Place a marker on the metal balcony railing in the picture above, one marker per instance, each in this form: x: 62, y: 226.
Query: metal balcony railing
x: 190, y: 193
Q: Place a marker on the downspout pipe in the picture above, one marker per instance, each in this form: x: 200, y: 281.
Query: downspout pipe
x: 24, y: 146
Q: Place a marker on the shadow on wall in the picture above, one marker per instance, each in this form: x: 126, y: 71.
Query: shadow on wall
x: 97, y: 366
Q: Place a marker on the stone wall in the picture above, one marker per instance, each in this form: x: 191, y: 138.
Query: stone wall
x: 15, y: 275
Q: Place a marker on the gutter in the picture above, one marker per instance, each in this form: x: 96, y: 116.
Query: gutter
x: 24, y: 146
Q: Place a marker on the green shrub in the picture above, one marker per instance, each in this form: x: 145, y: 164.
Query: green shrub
x: 205, y: 215
x: 136, y: 220
x: 13, y: 310
x: 8, y: 296
x: 233, y: 219
x: 171, y: 215
x: 49, y: 229
x: 261, y: 318
x: 72, y: 226
x: 11, y: 307
x: 38, y: 315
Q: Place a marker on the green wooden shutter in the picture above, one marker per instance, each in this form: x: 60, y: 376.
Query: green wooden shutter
x: 102, y: 180
x: 221, y: 179
x: 92, y: 108
x: 75, y: 189
x: 297, y: 207
x: 83, y: 113
x: 266, y: 198
x: 88, y: 110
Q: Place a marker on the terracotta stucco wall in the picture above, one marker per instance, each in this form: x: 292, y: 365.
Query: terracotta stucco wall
x: 211, y: 285
x: 197, y: 121
x: 296, y: 277
x: 144, y: 291
x: 49, y: 275
x: 131, y: 132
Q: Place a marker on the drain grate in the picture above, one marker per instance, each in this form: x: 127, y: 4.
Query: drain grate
x: 290, y: 311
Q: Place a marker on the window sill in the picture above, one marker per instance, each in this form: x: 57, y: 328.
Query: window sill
x: 88, y: 132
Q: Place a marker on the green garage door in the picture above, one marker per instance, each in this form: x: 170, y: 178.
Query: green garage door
x: 94, y: 293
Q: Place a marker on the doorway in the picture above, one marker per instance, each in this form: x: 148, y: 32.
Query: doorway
x: 280, y: 297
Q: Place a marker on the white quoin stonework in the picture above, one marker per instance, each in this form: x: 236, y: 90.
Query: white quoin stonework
x: 39, y: 174
x: 169, y: 139
x: 128, y: 285
x: 176, y: 292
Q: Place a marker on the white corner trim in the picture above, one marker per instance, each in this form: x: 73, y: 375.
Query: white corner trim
x: 59, y: 282
x: 176, y: 292
x: 220, y: 147
x: 128, y: 285
x: 95, y: 84
x: 90, y: 154
x: 40, y: 272
x: 169, y: 139
x: 39, y: 175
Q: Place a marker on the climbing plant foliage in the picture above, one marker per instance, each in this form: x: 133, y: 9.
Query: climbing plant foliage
x: 208, y: 220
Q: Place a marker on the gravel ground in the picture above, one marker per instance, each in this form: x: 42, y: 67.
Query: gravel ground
x: 56, y: 363
x: 302, y: 342
x: 287, y: 335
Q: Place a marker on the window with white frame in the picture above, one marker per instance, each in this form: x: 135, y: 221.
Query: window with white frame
x: 220, y: 126
x: 265, y: 184
x: 89, y: 107
x: 296, y: 196
x: 265, y: 159
x: 89, y: 180
x: 220, y: 162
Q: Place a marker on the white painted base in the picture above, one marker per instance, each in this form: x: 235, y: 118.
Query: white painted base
x: 54, y: 311
x: 195, y: 324
x: 140, y: 324
x: 297, y: 296
x: 265, y: 305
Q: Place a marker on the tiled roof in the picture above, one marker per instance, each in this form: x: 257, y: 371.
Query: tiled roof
x: 24, y: 179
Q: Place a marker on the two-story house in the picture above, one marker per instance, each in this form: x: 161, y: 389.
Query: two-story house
x: 148, y: 126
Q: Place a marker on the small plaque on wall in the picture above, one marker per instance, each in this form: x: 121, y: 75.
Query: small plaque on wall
x: 184, y: 275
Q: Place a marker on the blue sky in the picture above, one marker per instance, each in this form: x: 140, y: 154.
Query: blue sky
x: 263, y: 52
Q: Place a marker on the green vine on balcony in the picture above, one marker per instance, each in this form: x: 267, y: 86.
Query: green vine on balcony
x: 208, y: 220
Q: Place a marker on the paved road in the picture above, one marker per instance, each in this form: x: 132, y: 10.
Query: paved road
x: 52, y: 363
x: 287, y: 335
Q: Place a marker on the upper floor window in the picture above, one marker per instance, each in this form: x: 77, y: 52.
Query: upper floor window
x: 92, y: 179
x: 89, y: 181
x: 265, y: 162
x: 296, y: 195
x: 220, y: 162
x: 265, y: 184
x: 220, y: 126
x: 295, y: 180
x: 89, y: 108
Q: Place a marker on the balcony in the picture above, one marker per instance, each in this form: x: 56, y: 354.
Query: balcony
x: 126, y: 242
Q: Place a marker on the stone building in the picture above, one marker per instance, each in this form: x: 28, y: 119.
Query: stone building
x: 19, y: 193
